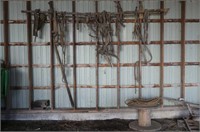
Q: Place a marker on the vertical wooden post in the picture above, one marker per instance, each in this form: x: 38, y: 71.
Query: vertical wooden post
x: 161, y: 51
x: 29, y: 40
x: 140, y: 63
x: 74, y: 53
x: 182, y: 49
x: 97, y: 66
x: 52, y: 64
x: 6, y: 45
x: 118, y: 70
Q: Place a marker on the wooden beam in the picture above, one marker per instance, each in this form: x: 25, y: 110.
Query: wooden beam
x: 182, y: 49
x: 94, y: 43
x: 125, y: 21
x: 52, y: 75
x: 97, y: 66
x: 74, y: 52
x: 6, y: 45
x: 140, y: 61
x: 107, y: 86
x: 118, y: 69
x: 29, y: 40
x: 161, y: 52
x: 104, y: 65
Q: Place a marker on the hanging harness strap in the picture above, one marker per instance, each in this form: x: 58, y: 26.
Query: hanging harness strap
x: 39, y: 21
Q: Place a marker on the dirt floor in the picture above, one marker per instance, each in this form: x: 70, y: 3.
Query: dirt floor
x: 106, y: 125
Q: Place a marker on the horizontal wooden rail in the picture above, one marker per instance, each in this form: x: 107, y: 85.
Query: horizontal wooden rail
x: 94, y: 43
x: 126, y: 21
x: 104, y: 65
x: 106, y: 86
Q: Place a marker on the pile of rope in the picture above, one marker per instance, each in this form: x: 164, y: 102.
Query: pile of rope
x: 143, y: 103
x: 100, y: 25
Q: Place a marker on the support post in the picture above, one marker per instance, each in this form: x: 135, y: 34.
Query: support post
x: 118, y: 70
x: 29, y: 40
x: 97, y: 66
x: 140, y: 63
x: 74, y: 53
x: 161, y: 52
x: 6, y: 45
x: 182, y: 49
x: 52, y: 65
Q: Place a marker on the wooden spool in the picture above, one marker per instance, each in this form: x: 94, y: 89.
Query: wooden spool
x: 144, y: 117
x: 144, y: 122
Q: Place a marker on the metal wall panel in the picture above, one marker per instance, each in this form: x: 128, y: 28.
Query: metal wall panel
x: 192, y: 53
x: 108, y: 97
x: 19, y: 98
x: 192, y: 94
x: 18, y: 77
x: 41, y: 77
x: 62, y: 98
x: 127, y: 93
x: 86, y: 55
x: 42, y: 94
x: 192, y: 9
x: 15, y: 8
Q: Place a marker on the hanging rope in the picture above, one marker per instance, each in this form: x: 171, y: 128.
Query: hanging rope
x: 142, y: 35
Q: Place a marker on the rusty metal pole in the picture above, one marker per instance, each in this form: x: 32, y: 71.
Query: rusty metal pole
x: 182, y: 49
x: 29, y: 40
x: 97, y: 65
x: 74, y: 53
x: 161, y: 52
x: 6, y: 45
x: 52, y: 75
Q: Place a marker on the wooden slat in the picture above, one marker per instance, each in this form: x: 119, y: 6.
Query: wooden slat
x: 108, y: 86
x: 6, y: 45
x: 125, y: 21
x: 29, y: 40
x: 161, y: 52
x: 74, y: 53
x: 93, y: 43
x: 52, y: 75
x: 97, y: 66
x: 105, y: 65
x: 183, y: 49
x: 118, y: 70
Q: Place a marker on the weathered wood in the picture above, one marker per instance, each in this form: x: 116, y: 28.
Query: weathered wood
x: 74, y: 52
x: 97, y: 66
x: 125, y: 21
x: 52, y: 64
x: 183, y: 49
x: 144, y: 117
x: 29, y: 40
x: 105, y: 65
x: 6, y: 45
x: 122, y: 43
x: 161, y: 52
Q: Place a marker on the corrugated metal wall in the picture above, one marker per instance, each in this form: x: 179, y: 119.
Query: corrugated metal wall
x: 86, y: 55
